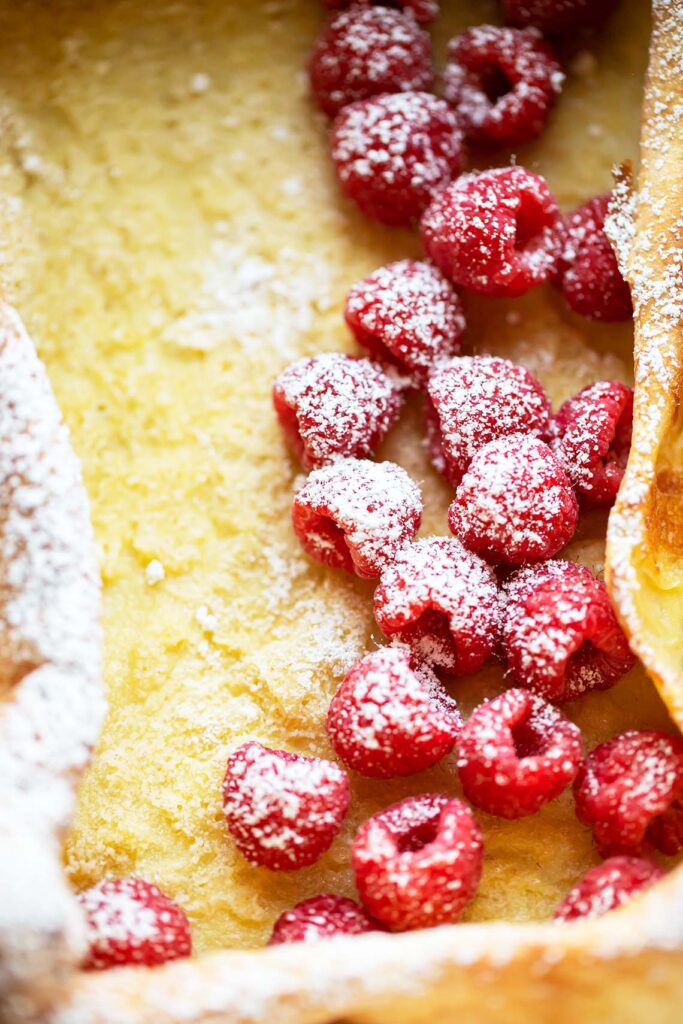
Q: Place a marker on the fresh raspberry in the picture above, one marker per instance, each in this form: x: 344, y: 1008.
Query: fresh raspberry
x: 476, y: 399
x: 494, y: 233
x: 407, y: 315
x: 608, y: 886
x: 502, y: 83
x: 283, y: 809
x: 130, y: 921
x: 357, y: 515
x: 368, y: 51
x: 389, y: 718
x: 588, y: 272
x: 417, y: 864
x: 516, y: 753
x: 625, y: 786
x: 321, y: 917
x: 591, y: 436
x: 561, y: 637
x: 334, y: 405
x: 442, y: 601
x: 423, y: 10
x: 393, y: 152
x: 557, y: 17
x: 515, y: 503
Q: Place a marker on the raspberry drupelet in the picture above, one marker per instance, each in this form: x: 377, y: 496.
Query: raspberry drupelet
x: 561, y: 637
x: 502, y: 83
x: 557, y: 16
x: 408, y: 316
x: 515, y: 503
x: 131, y: 922
x: 608, y: 886
x: 441, y: 601
x: 283, y: 809
x: 393, y: 152
x: 516, y: 753
x: 418, y: 863
x: 334, y: 405
x: 495, y: 232
x: 591, y: 436
x: 321, y: 917
x: 474, y: 400
x: 389, y: 718
x: 356, y: 515
x: 423, y: 10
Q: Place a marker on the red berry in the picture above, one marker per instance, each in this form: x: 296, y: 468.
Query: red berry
x: 423, y: 10
x: 625, y: 785
x: 388, y: 718
x: 515, y: 503
x: 321, y: 917
x: 592, y: 439
x: 476, y: 399
x: 131, y: 922
x: 442, y: 601
x: 561, y: 637
x: 418, y: 863
x: 406, y: 315
x: 494, y: 233
x: 334, y: 405
x: 516, y: 753
x: 607, y: 886
x: 357, y: 515
x: 588, y: 272
x: 666, y: 832
x: 283, y: 809
x: 557, y: 16
x: 393, y: 152
x: 503, y: 83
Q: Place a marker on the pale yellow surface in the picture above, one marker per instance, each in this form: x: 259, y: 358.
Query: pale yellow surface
x: 172, y: 235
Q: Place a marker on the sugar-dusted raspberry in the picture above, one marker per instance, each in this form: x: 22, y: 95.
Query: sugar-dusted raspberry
x: 442, y: 601
x: 591, y: 436
x: 561, y: 637
x: 557, y: 16
x: 608, y: 886
x: 321, y: 917
x: 476, y: 399
x: 502, y: 83
x: 334, y: 405
x: 393, y: 152
x: 408, y: 316
x: 391, y: 718
x: 423, y: 10
x: 588, y: 272
x: 131, y: 922
x: 515, y: 503
x: 624, y: 786
x: 356, y: 515
x: 283, y: 809
x: 516, y: 753
x: 494, y: 233
x: 417, y: 864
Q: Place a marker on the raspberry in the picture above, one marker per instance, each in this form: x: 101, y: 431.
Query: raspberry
x: 442, y: 601
x: 388, y: 718
x: 321, y: 917
x: 130, y: 921
x: 423, y: 10
x: 588, y: 272
x: 357, y: 515
x: 561, y: 637
x: 502, y: 83
x: 592, y: 438
x: 609, y: 885
x: 515, y: 503
x: 334, y: 405
x: 494, y: 233
x: 516, y: 753
x: 557, y: 16
x: 417, y: 864
x: 283, y: 809
x: 393, y: 152
x: 625, y: 786
x: 476, y: 399
x: 406, y: 315
x: 368, y: 51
